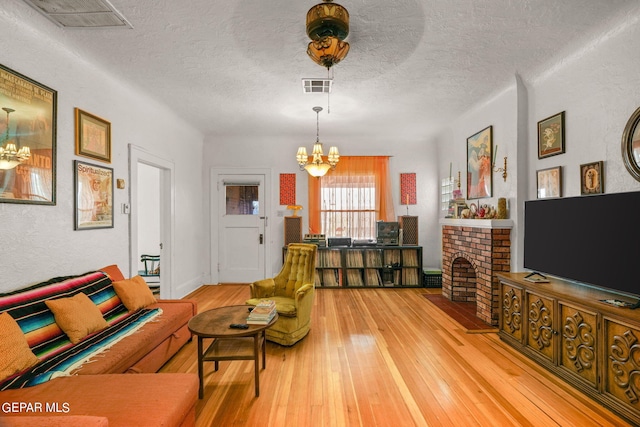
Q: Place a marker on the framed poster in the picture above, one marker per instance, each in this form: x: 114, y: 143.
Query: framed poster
x: 28, y: 121
x: 551, y: 136
x: 479, y: 151
x: 94, y: 196
x: 93, y: 136
x: 549, y: 182
x: 592, y: 178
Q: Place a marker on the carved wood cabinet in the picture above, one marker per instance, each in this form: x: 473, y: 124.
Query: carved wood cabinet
x: 564, y: 326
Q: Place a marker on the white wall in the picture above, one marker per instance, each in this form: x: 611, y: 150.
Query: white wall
x: 38, y: 242
x: 598, y: 87
x: 278, y: 153
x: 501, y: 112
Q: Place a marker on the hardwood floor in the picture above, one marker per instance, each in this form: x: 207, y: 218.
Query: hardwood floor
x: 384, y: 357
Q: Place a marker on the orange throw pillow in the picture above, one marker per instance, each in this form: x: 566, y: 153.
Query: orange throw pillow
x: 15, y: 354
x: 114, y: 273
x: 134, y: 293
x: 77, y: 316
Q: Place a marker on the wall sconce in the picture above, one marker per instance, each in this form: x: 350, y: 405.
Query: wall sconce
x: 503, y: 169
x: 495, y: 169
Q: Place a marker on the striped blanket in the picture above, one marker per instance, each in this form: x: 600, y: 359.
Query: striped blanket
x: 27, y: 306
x: 70, y: 359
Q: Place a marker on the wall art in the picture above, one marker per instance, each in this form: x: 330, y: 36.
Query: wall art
x: 27, y: 125
x: 287, y: 188
x: 479, y: 176
x: 94, y: 196
x: 592, y: 178
x: 408, y: 195
x: 549, y: 182
x: 93, y: 136
x: 551, y: 136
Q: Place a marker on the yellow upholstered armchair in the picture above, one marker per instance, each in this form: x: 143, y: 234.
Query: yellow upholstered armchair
x: 292, y: 290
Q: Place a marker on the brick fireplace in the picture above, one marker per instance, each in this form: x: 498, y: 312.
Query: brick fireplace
x: 473, y: 250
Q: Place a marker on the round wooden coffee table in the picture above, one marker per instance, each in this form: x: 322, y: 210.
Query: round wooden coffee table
x: 229, y: 343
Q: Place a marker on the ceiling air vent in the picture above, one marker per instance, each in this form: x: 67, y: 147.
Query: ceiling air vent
x: 80, y: 13
x: 316, y: 85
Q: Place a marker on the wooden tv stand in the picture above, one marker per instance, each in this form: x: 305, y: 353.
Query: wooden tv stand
x: 593, y: 346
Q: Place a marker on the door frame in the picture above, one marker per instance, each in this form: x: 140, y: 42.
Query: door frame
x: 167, y: 215
x: 214, y: 212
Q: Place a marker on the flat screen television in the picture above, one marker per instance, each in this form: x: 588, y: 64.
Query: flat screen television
x: 593, y: 240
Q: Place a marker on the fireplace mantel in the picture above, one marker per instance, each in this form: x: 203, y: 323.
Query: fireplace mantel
x: 477, y: 223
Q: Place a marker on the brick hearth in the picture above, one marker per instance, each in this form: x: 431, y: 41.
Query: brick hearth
x: 472, y: 252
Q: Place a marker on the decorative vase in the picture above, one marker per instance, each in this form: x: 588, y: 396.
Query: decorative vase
x: 502, y: 208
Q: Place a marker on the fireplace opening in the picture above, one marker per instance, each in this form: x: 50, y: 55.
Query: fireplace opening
x: 463, y: 287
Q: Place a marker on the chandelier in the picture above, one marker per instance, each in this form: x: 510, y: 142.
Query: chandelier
x: 327, y: 27
x: 10, y: 156
x: 317, y: 167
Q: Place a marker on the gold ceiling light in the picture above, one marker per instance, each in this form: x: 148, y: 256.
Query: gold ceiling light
x: 327, y: 27
x: 317, y: 166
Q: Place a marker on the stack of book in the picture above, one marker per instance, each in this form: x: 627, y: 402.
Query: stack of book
x: 263, y: 313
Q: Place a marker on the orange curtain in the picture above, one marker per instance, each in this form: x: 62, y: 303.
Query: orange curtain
x: 355, y: 166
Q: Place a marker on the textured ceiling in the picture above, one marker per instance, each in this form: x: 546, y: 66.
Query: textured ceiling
x: 235, y: 67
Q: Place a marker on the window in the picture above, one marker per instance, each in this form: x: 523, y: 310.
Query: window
x: 348, y: 201
x: 348, y: 206
x: 446, y: 192
x: 242, y: 199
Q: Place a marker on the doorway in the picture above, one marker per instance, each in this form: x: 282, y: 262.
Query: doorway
x: 239, y: 230
x: 152, y: 201
x: 149, y: 237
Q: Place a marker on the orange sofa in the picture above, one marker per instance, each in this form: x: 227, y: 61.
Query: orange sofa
x: 93, y: 390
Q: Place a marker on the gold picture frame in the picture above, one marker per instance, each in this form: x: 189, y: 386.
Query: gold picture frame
x: 592, y: 178
x: 93, y: 136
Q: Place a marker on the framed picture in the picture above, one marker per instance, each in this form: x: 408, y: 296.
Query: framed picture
x: 94, y: 196
x: 592, y: 178
x: 549, y: 182
x: 28, y: 121
x: 479, y: 152
x: 551, y: 136
x: 93, y: 136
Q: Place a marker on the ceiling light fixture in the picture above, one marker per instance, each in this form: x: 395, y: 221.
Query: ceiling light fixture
x: 317, y: 167
x: 10, y: 155
x: 327, y: 27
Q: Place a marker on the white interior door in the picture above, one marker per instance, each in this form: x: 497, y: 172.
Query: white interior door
x: 241, y: 228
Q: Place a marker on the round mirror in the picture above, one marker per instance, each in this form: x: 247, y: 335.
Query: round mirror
x: 631, y: 145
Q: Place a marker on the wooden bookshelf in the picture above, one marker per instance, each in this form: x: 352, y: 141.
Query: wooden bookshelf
x: 371, y: 266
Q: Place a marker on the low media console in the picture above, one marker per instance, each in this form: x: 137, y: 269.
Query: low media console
x: 568, y: 329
